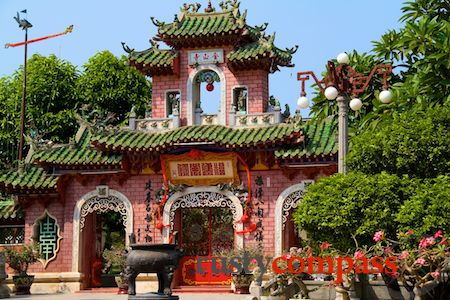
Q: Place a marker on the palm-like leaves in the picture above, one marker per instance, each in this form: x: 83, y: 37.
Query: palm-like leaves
x: 419, y: 52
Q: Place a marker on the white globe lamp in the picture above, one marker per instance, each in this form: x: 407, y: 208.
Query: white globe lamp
x: 303, y: 102
x: 343, y: 58
x: 331, y: 93
x: 385, y: 96
x: 356, y: 104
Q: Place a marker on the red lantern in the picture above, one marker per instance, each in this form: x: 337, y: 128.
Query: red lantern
x: 245, y: 218
x: 210, y: 87
x: 159, y: 225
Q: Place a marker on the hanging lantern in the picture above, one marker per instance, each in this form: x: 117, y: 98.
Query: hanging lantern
x: 159, y: 225
x: 245, y: 218
x: 210, y: 82
x: 210, y: 87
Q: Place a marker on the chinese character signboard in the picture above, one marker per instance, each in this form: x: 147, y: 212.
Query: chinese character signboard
x: 205, y: 57
x: 200, y: 168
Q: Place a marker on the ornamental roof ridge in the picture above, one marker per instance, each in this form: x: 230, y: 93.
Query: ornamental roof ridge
x: 79, y: 152
x: 226, y: 6
x: 126, y: 140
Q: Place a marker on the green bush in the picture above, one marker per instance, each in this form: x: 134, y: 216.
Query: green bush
x: 428, y: 209
x: 341, y: 206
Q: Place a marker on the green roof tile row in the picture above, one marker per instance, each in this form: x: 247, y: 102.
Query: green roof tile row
x: 264, y: 47
x: 194, y: 24
x: 125, y: 140
x: 80, y: 154
x: 9, y: 209
x: 32, y: 177
x: 153, y: 57
x: 320, y: 141
x: 202, y: 24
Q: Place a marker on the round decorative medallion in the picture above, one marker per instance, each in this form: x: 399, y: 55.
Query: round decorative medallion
x: 195, y: 232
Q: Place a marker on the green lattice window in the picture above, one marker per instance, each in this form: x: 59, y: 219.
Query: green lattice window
x: 12, y: 234
x: 46, y: 233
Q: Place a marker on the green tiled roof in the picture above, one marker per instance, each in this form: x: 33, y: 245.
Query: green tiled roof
x: 154, y: 57
x: 154, y: 60
x: 191, y: 26
x: 202, y: 24
x: 80, y: 154
x: 32, y: 178
x: 125, y: 140
x: 320, y: 141
x: 9, y: 209
x: 194, y: 29
x: 262, y: 49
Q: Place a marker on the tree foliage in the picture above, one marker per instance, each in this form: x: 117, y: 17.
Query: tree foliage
x: 419, y: 51
x: 51, y: 96
x: 9, y: 114
x: 419, y: 54
x: 108, y: 84
x: 428, y: 209
x: 399, y: 180
x: 51, y: 99
x: 341, y: 206
x: 400, y: 159
x: 414, y: 143
x: 56, y: 90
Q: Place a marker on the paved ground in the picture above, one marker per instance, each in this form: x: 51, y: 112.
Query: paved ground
x: 96, y: 296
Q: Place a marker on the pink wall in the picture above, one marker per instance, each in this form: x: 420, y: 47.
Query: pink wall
x: 256, y: 81
x: 134, y: 190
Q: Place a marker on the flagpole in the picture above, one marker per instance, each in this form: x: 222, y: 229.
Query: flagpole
x: 24, y: 97
x: 24, y: 24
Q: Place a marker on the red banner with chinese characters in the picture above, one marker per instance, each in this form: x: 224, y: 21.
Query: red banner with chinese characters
x: 200, y: 168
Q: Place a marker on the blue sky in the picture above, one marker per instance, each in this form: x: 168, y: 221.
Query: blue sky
x: 322, y: 29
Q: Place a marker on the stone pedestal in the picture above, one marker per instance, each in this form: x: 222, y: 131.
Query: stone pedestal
x: 152, y: 296
x: 198, y: 116
x: 255, y: 290
x: 176, y: 118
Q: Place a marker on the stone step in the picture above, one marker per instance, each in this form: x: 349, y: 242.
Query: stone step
x: 105, y: 290
x: 202, y: 289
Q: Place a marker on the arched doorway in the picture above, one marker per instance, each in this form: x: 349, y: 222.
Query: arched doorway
x: 87, y: 236
x: 286, y: 235
x: 194, y: 93
x: 206, y: 219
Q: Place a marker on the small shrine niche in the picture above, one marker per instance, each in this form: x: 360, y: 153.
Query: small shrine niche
x: 172, y: 103
x: 205, y: 89
x: 240, y: 99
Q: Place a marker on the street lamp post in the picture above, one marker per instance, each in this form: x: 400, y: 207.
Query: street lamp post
x: 341, y: 82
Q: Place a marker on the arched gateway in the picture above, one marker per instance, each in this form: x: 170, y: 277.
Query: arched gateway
x: 286, y: 203
x: 102, y: 199
x: 198, y: 197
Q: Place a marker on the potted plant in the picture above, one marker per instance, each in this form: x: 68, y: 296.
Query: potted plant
x: 288, y: 285
x: 423, y: 262
x: 243, y: 278
x: 19, y: 260
x: 115, y: 263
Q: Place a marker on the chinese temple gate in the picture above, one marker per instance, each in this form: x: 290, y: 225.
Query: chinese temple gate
x: 223, y: 181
